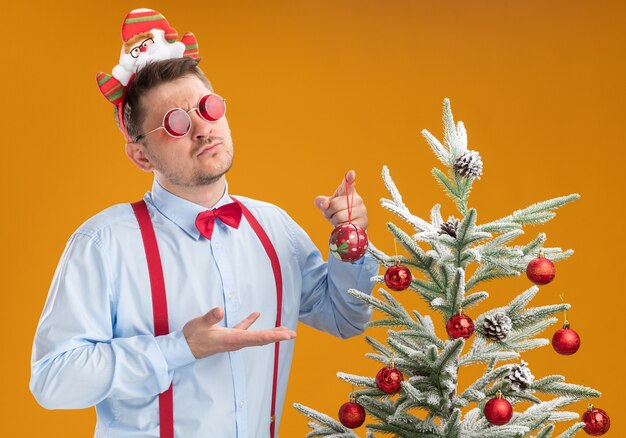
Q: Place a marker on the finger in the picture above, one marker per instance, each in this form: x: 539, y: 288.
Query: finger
x: 350, y: 179
x: 252, y: 338
x: 213, y: 316
x: 248, y: 321
x: 339, y: 204
x: 339, y: 218
x: 358, y: 217
x: 322, y: 202
x: 263, y: 337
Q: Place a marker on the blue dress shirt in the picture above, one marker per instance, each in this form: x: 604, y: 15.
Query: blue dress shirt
x: 95, y: 345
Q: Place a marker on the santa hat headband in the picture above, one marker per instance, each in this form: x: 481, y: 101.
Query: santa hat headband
x: 146, y: 37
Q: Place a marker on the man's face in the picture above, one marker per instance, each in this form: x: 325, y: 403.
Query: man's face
x: 201, y: 157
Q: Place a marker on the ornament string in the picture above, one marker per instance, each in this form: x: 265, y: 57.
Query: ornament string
x: 349, y: 199
x: 564, y: 310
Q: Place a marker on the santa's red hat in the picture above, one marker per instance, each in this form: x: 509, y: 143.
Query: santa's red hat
x: 143, y: 20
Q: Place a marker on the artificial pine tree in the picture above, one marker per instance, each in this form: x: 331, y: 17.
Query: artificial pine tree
x: 417, y: 395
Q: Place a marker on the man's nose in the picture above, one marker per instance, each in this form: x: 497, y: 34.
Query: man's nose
x: 200, y: 127
x: 143, y: 48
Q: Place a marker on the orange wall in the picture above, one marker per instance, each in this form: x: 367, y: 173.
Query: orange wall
x: 316, y: 88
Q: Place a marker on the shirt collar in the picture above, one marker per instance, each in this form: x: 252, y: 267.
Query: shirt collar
x: 180, y: 211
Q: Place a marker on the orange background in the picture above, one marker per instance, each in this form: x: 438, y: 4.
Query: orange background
x: 314, y: 89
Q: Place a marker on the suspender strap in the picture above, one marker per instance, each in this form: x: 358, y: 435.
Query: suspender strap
x: 278, y: 279
x: 159, y: 304
x: 159, y: 307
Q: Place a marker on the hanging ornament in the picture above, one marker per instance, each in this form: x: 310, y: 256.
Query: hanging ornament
x: 566, y: 341
x: 497, y: 326
x: 389, y: 379
x: 348, y: 241
x: 540, y: 270
x: 597, y: 422
x: 398, y: 277
x: 351, y: 414
x: 460, y: 326
x: 498, y: 410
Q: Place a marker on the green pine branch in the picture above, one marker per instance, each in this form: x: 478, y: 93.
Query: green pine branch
x: 534, y: 214
x: 325, y: 425
x: 556, y: 385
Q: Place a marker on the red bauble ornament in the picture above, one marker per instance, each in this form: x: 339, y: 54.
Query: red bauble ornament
x: 351, y: 414
x: 460, y: 326
x: 540, y: 270
x: 566, y: 341
x: 389, y: 380
x: 398, y: 277
x: 348, y: 242
x: 597, y: 421
x: 498, y: 411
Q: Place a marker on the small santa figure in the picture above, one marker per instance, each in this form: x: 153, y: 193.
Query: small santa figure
x: 146, y: 37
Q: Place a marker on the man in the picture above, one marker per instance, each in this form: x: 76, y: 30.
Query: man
x: 101, y: 339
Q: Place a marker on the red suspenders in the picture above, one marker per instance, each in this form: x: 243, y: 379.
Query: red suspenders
x: 159, y: 307
x: 159, y: 304
x: 278, y: 279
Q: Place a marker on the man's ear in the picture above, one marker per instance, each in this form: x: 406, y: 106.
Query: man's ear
x: 136, y: 153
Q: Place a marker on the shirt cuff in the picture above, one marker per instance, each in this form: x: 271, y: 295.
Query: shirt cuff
x: 175, y: 350
x: 357, y: 274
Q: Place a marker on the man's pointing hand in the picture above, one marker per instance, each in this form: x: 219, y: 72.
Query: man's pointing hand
x: 335, y: 207
x: 205, y: 337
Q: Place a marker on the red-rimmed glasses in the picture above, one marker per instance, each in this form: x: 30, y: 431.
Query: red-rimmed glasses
x: 177, y: 123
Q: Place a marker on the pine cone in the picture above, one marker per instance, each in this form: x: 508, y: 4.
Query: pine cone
x: 497, y: 326
x: 469, y: 165
x: 450, y: 227
x: 520, y: 377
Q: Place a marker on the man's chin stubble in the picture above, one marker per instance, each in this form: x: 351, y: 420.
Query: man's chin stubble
x: 207, y: 180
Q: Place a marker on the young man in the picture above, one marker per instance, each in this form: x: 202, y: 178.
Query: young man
x: 157, y: 335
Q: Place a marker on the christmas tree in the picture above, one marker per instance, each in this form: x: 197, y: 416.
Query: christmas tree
x: 416, y: 392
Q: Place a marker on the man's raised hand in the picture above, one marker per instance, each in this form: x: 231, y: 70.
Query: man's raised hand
x: 335, y: 207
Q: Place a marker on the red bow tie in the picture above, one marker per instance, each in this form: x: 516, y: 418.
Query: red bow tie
x: 230, y: 214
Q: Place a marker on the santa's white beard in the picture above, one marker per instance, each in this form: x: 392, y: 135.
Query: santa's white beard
x: 155, y: 52
x: 158, y: 51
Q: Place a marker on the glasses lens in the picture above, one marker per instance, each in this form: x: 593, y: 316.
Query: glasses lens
x: 212, y: 107
x: 177, y: 122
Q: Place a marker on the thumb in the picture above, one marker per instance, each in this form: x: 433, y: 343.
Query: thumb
x: 322, y: 202
x: 213, y: 316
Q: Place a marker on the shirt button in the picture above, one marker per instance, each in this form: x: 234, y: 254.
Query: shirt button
x: 218, y: 245
x: 241, y: 403
x: 230, y: 297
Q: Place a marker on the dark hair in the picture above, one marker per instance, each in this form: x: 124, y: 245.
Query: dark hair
x: 149, y: 77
